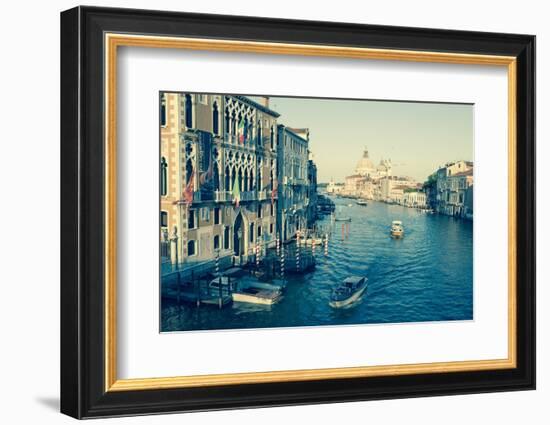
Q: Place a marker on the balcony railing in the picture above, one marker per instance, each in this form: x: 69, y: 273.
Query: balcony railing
x: 248, y: 195
x: 222, y: 196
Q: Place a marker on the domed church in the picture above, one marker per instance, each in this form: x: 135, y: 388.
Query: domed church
x: 366, y: 168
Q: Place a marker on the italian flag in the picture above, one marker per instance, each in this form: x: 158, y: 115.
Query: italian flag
x: 241, y: 131
x: 236, y: 193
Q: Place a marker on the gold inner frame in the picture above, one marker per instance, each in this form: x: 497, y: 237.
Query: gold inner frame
x: 113, y: 41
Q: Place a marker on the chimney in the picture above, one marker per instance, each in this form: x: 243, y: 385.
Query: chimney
x: 265, y: 101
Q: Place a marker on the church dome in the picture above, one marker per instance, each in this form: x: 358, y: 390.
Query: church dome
x: 365, y: 165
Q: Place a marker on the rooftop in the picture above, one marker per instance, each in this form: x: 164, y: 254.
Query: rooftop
x: 257, y: 105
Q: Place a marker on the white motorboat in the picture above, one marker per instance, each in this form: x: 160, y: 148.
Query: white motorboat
x: 349, y: 291
x: 397, y: 230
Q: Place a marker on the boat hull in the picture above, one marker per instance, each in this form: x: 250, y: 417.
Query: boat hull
x: 256, y: 299
x: 348, y: 301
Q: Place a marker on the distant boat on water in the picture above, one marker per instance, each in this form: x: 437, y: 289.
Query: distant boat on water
x: 397, y: 230
x: 362, y: 202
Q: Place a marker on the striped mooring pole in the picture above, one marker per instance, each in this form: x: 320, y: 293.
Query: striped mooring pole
x: 298, y: 251
x: 326, y: 244
x: 217, y: 262
x: 278, y: 245
x: 282, y: 265
x: 257, y: 255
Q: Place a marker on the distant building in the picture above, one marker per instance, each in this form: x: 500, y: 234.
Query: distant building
x: 333, y: 187
x: 352, y: 184
x: 393, y: 188
x: 454, y: 185
x: 414, y: 199
x: 366, y: 168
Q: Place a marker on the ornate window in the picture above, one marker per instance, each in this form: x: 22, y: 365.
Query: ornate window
x: 233, y: 177
x: 227, y: 179
x: 245, y: 183
x: 163, y: 177
x: 259, y: 133
x: 188, y: 171
x: 163, y: 219
x: 215, y: 119
x: 251, y: 181
x: 188, y: 111
x: 226, y: 237
x: 216, y: 177
x: 163, y: 109
x: 227, y: 121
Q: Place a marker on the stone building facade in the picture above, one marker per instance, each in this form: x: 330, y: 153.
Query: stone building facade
x: 293, y: 189
x: 454, y: 189
x: 217, y: 176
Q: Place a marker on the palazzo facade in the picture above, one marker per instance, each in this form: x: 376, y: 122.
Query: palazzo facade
x: 218, y: 189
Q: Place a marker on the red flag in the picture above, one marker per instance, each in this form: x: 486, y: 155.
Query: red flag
x: 208, y: 174
x: 189, y: 189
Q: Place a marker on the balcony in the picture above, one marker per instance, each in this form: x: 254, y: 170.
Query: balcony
x: 222, y: 196
x: 262, y: 195
x: 230, y: 138
x: 249, y: 195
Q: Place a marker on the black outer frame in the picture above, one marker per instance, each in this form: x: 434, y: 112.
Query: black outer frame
x: 82, y: 212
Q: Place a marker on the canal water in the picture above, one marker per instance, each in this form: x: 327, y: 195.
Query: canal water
x: 426, y: 276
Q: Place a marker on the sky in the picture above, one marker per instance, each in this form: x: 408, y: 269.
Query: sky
x: 417, y: 137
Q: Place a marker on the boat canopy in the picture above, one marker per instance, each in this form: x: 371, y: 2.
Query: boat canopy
x: 353, y: 279
x: 396, y: 223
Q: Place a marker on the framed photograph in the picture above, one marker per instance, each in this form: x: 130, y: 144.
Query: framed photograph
x: 261, y: 212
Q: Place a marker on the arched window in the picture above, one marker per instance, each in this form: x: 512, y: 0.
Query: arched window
x: 259, y: 133
x: 188, y: 171
x: 251, y: 131
x: 163, y: 177
x: 259, y: 185
x: 163, y: 109
x: 215, y: 119
x: 191, y: 248
x: 251, y: 181
x: 226, y: 121
x: 245, y: 129
x: 240, y: 179
x: 233, y: 121
x: 271, y: 179
x: 245, y: 184
x: 233, y: 177
x: 216, y: 177
x: 240, y: 129
x: 188, y: 111
x: 227, y: 179
x: 272, y: 138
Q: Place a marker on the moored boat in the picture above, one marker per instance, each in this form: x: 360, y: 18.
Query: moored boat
x: 397, y: 230
x: 349, y: 291
x: 253, y: 291
x: 362, y: 202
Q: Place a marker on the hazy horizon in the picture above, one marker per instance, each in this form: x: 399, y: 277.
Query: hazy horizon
x: 418, y: 137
